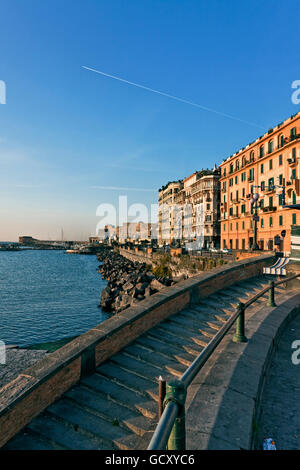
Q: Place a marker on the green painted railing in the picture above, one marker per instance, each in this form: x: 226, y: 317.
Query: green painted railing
x: 170, y: 431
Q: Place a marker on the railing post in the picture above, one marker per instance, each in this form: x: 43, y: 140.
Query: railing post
x: 271, y: 301
x: 239, y: 336
x: 176, y: 391
x: 161, y: 396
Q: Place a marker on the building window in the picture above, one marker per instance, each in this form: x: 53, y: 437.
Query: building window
x: 252, y: 156
x: 262, y: 168
x: 243, y: 208
x: 224, y: 227
x: 261, y: 222
x: 261, y: 203
x: 231, y: 182
x: 236, y: 180
x: 231, y: 196
x: 230, y: 227
x: 280, y: 159
x: 243, y: 192
x: 294, y: 198
x: 262, y: 185
x: 261, y: 151
x: 271, y: 184
x: 271, y: 164
x: 224, y: 172
x: 281, y: 140
x: 294, y: 154
x: 293, y: 132
x: 294, y: 219
x: 270, y: 146
x: 271, y: 201
x: 271, y: 221
x: 243, y: 225
x: 251, y: 174
x: 280, y: 179
x: 293, y: 176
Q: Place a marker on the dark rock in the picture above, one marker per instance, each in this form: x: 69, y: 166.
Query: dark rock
x: 128, y: 282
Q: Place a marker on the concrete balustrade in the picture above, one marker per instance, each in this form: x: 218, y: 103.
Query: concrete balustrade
x: 40, y: 385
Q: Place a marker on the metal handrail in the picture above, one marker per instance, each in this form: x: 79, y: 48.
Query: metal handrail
x: 165, y: 425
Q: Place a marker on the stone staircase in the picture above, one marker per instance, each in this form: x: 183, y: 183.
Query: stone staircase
x: 116, y: 407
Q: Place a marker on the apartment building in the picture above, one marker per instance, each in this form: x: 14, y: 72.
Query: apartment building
x: 136, y: 232
x: 167, y: 212
x: 189, y: 210
x: 267, y: 169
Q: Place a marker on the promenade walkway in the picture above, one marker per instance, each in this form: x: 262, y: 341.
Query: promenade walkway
x: 280, y: 415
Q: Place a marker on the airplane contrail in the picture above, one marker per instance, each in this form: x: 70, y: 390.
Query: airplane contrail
x: 119, y: 188
x: 182, y: 100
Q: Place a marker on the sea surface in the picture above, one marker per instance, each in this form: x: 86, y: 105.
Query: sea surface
x: 48, y: 295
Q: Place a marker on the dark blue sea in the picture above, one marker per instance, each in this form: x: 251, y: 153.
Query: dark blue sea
x: 48, y: 295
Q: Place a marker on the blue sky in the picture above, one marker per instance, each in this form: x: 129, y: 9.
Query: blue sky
x: 68, y: 134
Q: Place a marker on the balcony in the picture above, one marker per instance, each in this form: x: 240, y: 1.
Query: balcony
x: 269, y: 209
x: 293, y: 185
x: 269, y: 189
x: 292, y: 161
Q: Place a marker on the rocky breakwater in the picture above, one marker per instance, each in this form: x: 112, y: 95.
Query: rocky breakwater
x: 128, y: 282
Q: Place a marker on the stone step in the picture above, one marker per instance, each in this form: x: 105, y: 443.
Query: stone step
x: 88, y: 424
x: 62, y: 436
x: 155, y: 358
x: 166, y: 350
x: 141, y: 368
x: 245, y: 295
x: 195, y: 322
x: 129, y: 379
x: 216, y: 307
x: 206, y: 313
x: 121, y: 395
x: 181, y: 332
x: 173, y: 341
x: 109, y: 410
x: 27, y: 441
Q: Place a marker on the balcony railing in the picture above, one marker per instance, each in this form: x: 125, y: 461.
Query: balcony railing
x: 269, y: 209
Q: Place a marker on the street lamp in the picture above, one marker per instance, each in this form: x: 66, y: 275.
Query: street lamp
x: 254, y: 202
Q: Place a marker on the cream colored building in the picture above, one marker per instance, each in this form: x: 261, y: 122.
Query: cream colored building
x: 189, y: 210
